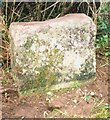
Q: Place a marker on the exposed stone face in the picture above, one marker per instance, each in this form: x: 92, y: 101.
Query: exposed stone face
x: 53, y: 51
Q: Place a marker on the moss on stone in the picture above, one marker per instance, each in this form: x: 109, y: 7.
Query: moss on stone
x: 55, y: 55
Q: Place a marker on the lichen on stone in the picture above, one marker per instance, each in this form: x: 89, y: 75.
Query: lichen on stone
x: 56, y: 53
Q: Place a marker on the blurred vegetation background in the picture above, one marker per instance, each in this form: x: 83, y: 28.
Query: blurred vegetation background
x: 41, y: 11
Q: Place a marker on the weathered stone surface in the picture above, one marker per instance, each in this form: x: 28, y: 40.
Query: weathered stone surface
x: 53, y: 51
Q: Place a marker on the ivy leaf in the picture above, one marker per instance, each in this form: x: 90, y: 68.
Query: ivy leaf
x: 105, y: 106
x: 107, y: 54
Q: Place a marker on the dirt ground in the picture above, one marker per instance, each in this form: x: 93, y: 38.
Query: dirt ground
x: 79, y: 102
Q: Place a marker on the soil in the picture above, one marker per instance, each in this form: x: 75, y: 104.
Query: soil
x: 79, y: 102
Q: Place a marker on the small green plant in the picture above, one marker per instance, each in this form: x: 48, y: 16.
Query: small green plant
x: 87, y: 98
x: 102, y: 111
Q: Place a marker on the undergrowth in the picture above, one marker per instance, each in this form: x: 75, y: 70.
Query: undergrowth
x: 102, y: 111
x: 23, y: 12
x: 103, y: 29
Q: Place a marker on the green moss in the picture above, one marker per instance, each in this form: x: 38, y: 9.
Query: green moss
x: 87, y: 71
x: 40, y: 61
x: 37, y: 62
x: 28, y: 44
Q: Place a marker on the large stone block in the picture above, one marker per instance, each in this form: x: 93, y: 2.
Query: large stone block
x: 53, y: 51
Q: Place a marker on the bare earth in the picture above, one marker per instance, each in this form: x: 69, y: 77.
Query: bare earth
x: 80, y: 102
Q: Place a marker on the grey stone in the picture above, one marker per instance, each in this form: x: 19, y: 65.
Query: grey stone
x: 54, y: 51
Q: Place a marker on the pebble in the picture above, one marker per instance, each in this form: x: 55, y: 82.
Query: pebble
x: 75, y: 101
x: 92, y: 93
x: 50, y: 93
x: 101, y: 95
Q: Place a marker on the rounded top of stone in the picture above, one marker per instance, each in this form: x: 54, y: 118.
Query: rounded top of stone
x: 21, y: 30
x: 77, y: 17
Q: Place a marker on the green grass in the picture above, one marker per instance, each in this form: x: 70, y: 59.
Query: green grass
x: 102, y: 111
